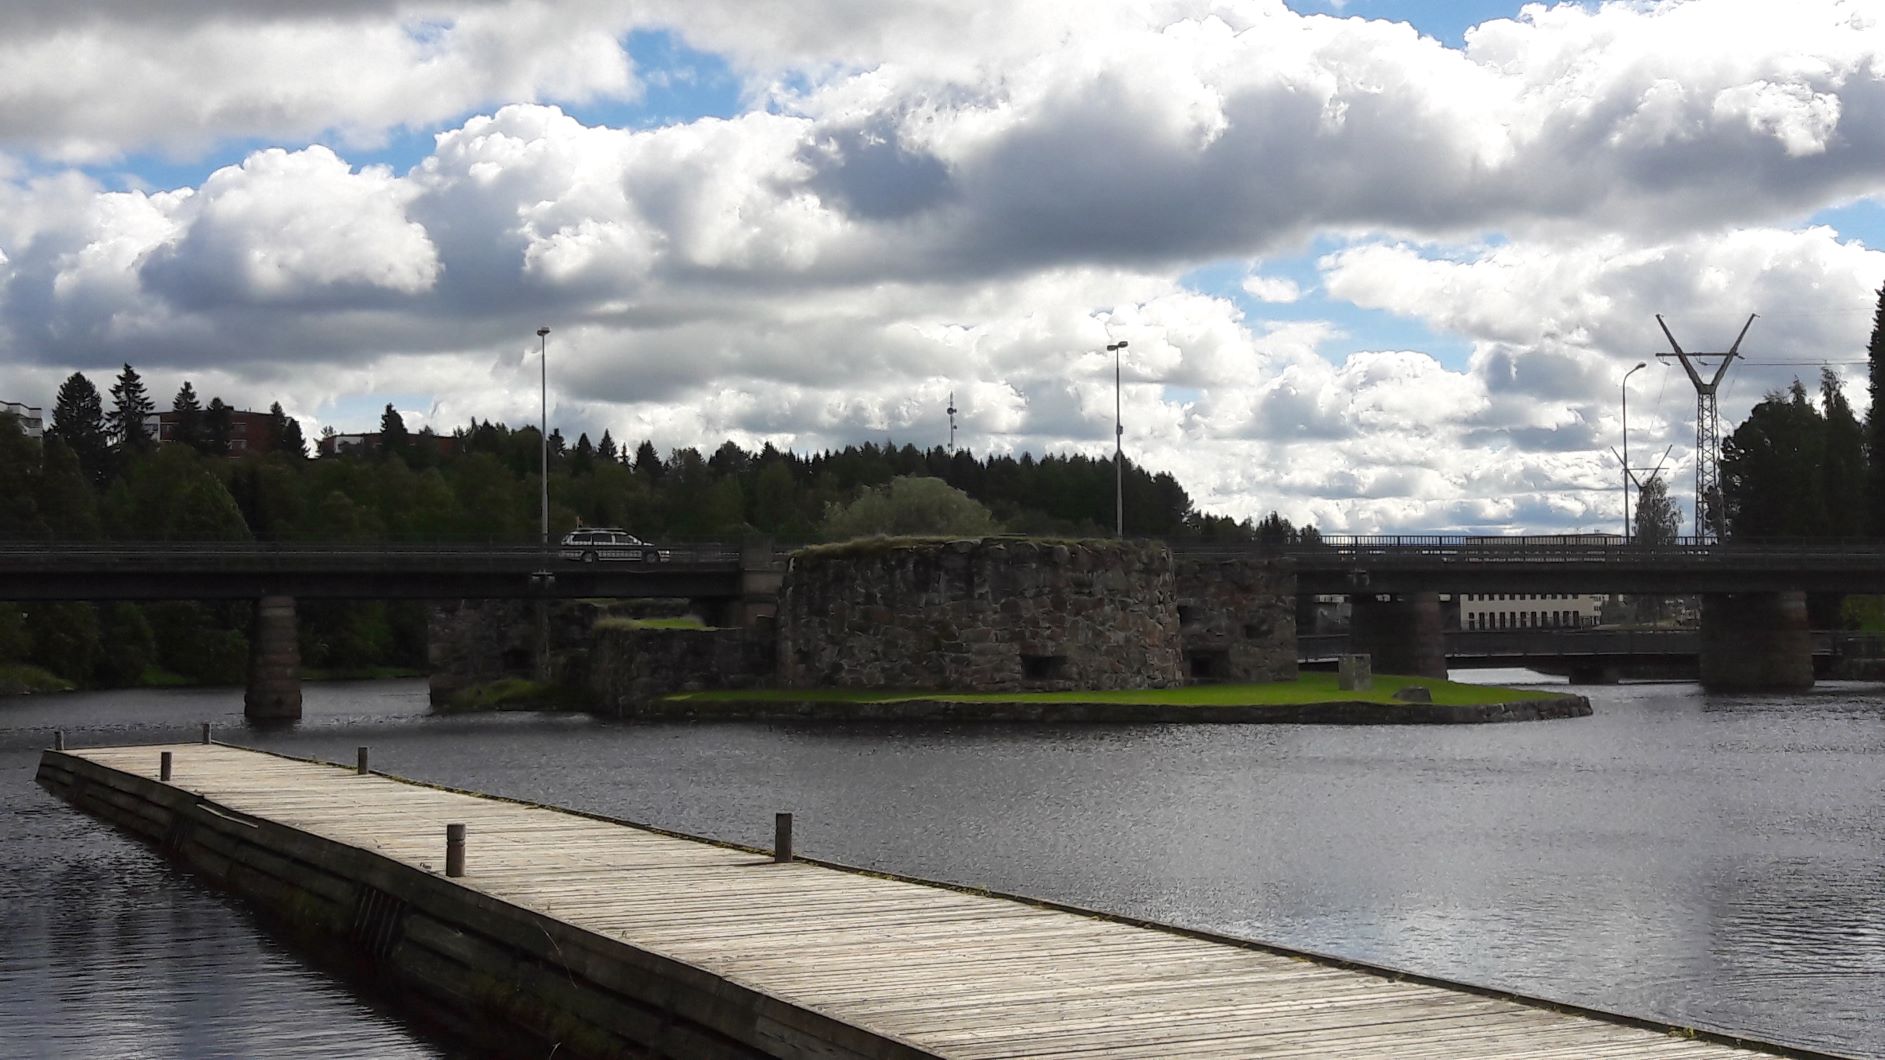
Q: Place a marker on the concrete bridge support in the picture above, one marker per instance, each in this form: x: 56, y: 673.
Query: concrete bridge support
x: 274, y: 691
x: 1403, y: 633
x: 1756, y: 642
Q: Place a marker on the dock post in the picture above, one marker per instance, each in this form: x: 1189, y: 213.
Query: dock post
x: 454, y: 850
x: 206, y: 732
x: 360, y: 761
x: 58, y: 739
x: 163, y: 766
x: 782, y: 837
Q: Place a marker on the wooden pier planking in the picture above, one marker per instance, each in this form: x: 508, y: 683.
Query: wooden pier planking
x: 948, y: 972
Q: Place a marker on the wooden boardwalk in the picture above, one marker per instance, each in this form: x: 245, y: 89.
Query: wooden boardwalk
x: 929, y: 969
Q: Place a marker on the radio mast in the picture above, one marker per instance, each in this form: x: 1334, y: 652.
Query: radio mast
x: 952, y: 421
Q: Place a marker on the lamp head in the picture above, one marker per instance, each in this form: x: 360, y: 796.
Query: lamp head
x: 541, y: 332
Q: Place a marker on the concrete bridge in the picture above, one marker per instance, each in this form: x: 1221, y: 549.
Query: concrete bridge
x: 1753, y: 634
x: 728, y: 583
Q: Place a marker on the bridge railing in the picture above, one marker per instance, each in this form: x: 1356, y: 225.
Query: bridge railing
x: 302, y: 555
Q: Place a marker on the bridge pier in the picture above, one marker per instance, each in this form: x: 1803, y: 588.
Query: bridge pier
x: 1756, y: 642
x: 274, y: 689
x: 1403, y: 632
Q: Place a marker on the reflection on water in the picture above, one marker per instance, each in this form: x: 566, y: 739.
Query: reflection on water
x: 1701, y: 859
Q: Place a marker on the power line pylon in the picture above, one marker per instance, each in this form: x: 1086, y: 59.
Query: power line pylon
x: 1707, y: 429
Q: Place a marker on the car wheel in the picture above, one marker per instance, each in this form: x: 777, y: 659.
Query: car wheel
x: 589, y: 557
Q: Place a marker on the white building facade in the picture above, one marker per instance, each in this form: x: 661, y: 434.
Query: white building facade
x: 1484, y: 611
x: 32, y: 419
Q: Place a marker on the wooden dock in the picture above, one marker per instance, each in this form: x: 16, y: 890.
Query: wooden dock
x: 605, y: 938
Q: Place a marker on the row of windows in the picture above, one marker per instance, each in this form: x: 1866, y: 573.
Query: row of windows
x: 1521, y: 596
x: 1525, y: 619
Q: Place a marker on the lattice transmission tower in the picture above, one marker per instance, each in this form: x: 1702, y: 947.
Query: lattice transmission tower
x: 1708, y: 509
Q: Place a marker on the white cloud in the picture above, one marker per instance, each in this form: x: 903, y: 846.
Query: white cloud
x: 977, y: 198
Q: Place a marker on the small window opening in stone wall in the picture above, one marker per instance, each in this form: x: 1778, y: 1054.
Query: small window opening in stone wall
x: 1209, y: 665
x: 515, y: 659
x: 1187, y: 614
x: 1044, y: 667
x: 1255, y: 631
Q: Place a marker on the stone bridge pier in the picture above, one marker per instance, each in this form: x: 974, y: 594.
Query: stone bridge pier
x: 274, y: 689
x: 1404, y: 632
x: 1756, y: 642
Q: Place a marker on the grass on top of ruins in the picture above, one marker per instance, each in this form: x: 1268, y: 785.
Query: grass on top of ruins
x: 1309, y: 688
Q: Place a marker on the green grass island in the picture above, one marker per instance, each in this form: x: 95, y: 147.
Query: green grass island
x: 1313, y: 698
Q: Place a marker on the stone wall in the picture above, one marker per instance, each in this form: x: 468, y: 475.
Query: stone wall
x: 998, y: 614
x: 631, y: 668
x: 475, y: 642
x: 1237, y: 617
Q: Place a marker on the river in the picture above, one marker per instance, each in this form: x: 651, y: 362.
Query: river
x: 1710, y: 860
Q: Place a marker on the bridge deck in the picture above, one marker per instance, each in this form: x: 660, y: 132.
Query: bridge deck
x: 945, y: 972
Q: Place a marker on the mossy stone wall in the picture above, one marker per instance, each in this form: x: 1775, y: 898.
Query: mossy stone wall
x: 994, y: 614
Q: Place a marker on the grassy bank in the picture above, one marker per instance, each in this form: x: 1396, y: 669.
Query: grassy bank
x: 1310, y: 688
x: 18, y: 679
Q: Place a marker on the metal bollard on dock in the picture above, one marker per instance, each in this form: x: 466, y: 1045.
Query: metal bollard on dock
x: 360, y: 760
x: 163, y: 765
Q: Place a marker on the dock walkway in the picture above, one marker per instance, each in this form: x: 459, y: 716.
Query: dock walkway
x: 786, y: 959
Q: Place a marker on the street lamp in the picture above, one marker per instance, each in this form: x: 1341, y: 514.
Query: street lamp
x: 1624, y: 389
x: 543, y: 424
x: 1119, y: 458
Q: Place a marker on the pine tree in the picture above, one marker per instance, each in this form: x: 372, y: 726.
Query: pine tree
x: 605, y: 449
x: 217, y: 424
x: 648, y: 462
x: 284, y: 434
x: 78, y: 419
x: 393, y: 435
x: 1875, y: 423
x: 1842, y: 468
x: 130, y: 406
x: 188, y: 428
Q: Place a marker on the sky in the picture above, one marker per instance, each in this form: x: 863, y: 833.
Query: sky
x: 1380, y: 265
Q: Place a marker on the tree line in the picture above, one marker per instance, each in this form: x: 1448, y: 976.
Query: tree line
x: 100, y: 475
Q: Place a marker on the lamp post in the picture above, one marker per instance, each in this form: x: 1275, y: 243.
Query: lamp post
x: 1624, y: 389
x: 543, y: 441
x: 543, y: 424
x: 1119, y: 457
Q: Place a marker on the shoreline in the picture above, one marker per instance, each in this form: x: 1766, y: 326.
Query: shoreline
x: 1333, y: 712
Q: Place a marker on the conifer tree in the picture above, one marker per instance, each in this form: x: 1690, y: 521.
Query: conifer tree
x: 605, y: 449
x: 78, y: 419
x: 217, y: 425
x: 130, y: 405
x: 393, y: 435
x: 188, y: 428
x: 1875, y: 423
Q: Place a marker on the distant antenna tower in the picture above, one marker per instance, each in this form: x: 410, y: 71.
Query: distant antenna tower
x: 1707, y: 428
x: 952, y: 421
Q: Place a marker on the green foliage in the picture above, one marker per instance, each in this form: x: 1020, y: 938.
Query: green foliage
x: 78, y: 420
x: 909, y: 506
x: 1311, y: 687
x: 1776, y: 475
x: 188, y: 429
x: 66, y: 639
x: 1657, y: 520
x: 1875, y: 423
x: 20, y: 678
x: 16, y: 640
x: 130, y: 404
x: 129, y: 646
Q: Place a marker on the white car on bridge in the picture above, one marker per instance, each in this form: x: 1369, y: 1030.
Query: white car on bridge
x: 591, y: 544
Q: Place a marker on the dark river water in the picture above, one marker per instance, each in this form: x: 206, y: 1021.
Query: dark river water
x: 1701, y: 859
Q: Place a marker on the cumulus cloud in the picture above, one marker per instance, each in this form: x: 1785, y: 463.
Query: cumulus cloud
x: 934, y: 197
